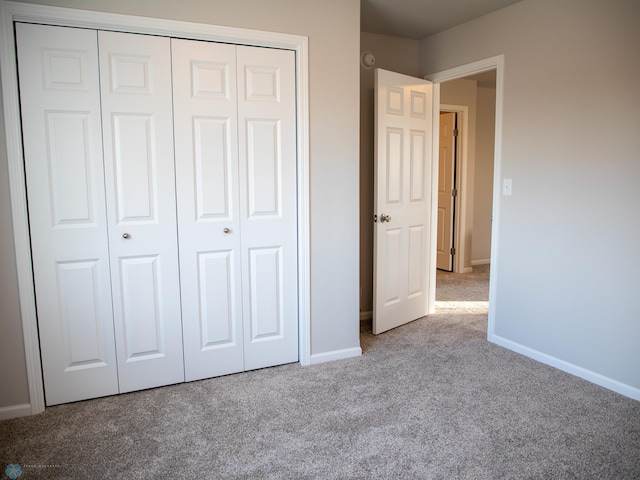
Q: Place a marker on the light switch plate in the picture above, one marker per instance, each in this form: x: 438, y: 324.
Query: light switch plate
x: 506, y: 187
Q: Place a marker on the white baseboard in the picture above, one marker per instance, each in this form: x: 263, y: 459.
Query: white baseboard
x: 15, y: 411
x: 593, y: 377
x: 335, y: 355
x: 485, y: 261
x: 366, y: 315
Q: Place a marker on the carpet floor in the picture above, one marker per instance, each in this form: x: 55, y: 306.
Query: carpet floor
x: 429, y: 400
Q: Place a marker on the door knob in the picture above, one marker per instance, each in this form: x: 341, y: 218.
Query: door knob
x: 385, y: 218
x: 227, y: 230
x: 126, y: 236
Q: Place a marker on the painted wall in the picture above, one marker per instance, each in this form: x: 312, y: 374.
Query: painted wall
x: 483, y: 178
x: 569, y: 236
x: 13, y: 368
x: 398, y: 55
x: 333, y: 28
x: 463, y: 92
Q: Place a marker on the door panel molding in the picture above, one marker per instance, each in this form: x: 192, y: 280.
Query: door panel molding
x: 11, y: 12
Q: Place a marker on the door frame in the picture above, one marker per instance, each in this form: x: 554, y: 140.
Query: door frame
x: 460, y: 209
x: 492, y: 63
x: 11, y: 12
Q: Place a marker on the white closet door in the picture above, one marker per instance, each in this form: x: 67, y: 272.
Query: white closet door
x: 267, y: 152
x: 60, y: 100
x: 135, y: 73
x: 205, y: 112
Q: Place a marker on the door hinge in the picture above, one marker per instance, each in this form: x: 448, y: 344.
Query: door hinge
x: 453, y: 251
x: 454, y: 192
x: 455, y: 132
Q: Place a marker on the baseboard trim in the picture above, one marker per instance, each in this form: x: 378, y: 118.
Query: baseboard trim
x: 335, y: 355
x: 485, y: 261
x: 593, y: 377
x: 15, y: 411
x: 366, y: 315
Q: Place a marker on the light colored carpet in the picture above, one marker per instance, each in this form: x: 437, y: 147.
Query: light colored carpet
x: 429, y: 400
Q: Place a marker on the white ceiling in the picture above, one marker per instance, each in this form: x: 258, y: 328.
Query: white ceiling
x: 418, y: 19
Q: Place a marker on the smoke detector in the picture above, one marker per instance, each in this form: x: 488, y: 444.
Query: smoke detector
x: 367, y: 60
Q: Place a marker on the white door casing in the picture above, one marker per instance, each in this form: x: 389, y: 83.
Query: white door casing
x: 402, y: 199
x: 446, y: 185
x: 58, y: 72
x: 137, y: 120
x: 492, y: 63
x: 267, y: 153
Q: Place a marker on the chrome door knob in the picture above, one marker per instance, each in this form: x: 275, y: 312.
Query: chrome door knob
x: 126, y: 236
x: 226, y: 230
x: 385, y: 218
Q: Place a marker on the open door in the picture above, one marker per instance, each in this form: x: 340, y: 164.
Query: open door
x: 402, y: 199
x: 446, y: 191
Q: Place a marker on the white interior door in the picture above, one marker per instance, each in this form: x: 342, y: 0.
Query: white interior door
x: 268, y: 199
x: 140, y: 190
x: 206, y: 117
x: 60, y: 101
x: 446, y: 186
x: 402, y: 198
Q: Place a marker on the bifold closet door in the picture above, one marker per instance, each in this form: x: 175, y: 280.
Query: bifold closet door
x: 108, y: 225
x: 60, y: 102
x: 235, y: 121
x: 137, y: 119
x: 268, y: 205
x: 205, y: 109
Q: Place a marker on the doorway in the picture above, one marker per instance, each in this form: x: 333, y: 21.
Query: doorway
x: 494, y: 64
x: 473, y: 175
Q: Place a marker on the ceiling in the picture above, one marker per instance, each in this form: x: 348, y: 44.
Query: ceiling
x: 418, y: 19
x: 485, y: 79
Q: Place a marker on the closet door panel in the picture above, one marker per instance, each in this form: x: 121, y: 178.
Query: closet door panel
x: 141, y: 309
x: 137, y: 117
x: 265, y: 277
x: 60, y: 101
x: 264, y: 167
x: 267, y: 168
x: 204, y: 90
x: 135, y: 169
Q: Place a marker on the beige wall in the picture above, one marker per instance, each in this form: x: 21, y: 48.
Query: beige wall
x: 566, y: 284
x: 13, y: 369
x: 483, y: 179
x: 399, y: 55
x: 333, y: 28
